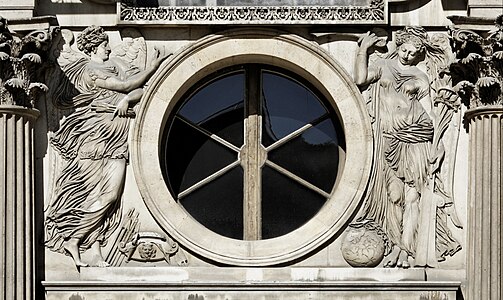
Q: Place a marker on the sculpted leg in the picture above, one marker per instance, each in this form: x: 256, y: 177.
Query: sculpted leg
x: 112, y: 184
x: 410, y: 220
x: 395, y: 195
x: 72, y: 247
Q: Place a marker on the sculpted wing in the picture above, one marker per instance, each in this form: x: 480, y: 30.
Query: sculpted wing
x: 131, y: 54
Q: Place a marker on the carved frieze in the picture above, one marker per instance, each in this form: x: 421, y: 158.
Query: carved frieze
x: 374, y: 11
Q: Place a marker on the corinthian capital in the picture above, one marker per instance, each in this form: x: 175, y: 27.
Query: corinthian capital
x: 21, y: 59
x: 478, y: 70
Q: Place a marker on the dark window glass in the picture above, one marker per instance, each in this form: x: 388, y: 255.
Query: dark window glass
x: 313, y: 156
x: 219, y: 108
x: 286, y: 107
x: 196, y: 156
x: 204, y: 148
x: 286, y: 205
x: 219, y: 204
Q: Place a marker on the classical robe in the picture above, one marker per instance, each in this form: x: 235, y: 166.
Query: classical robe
x: 88, y: 140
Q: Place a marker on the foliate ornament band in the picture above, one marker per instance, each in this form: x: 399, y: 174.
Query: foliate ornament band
x: 375, y: 12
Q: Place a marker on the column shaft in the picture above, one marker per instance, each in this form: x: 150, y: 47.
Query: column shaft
x: 16, y: 206
x: 484, y: 268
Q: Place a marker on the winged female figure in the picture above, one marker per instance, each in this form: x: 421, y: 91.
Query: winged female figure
x: 85, y: 206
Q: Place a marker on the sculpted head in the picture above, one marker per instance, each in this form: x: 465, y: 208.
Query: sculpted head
x: 411, y: 44
x: 93, y: 41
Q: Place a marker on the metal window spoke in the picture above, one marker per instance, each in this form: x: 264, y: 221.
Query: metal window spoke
x: 297, y: 178
x: 209, y: 134
x: 207, y: 180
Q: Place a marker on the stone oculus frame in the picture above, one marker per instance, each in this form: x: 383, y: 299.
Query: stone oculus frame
x: 273, y: 12
x: 219, y: 51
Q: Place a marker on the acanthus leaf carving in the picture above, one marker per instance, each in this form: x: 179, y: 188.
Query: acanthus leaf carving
x: 478, y: 71
x: 20, y: 65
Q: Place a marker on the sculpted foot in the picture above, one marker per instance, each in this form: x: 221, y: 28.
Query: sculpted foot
x: 390, y: 261
x: 403, y: 260
x: 72, y: 247
x: 102, y: 263
x: 98, y: 257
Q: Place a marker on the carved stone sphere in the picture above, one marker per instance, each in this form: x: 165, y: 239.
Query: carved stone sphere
x: 362, y: 247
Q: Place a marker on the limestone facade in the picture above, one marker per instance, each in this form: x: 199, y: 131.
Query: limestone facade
x: 214, y: 149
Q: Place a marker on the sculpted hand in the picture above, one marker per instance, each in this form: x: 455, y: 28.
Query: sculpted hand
x: 122, y: 108
x: 159, y: 57
x: 369, y: 40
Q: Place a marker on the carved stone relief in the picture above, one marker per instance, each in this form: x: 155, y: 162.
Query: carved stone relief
x: 410, y: 191
x: 478, y: 70
x: 131, y: 10
x: 99, y: 88
x: 132, y: 244
x: 20, y: 61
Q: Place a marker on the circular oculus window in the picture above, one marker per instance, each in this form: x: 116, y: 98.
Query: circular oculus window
x: 246, y: 154
x: 252, y: 153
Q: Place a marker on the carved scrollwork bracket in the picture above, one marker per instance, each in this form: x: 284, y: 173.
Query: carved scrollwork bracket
x: 143, y: 246
x: 21, y: 57
x: 478, y: 71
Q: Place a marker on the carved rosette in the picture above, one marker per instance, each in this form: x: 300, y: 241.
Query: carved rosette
x: 480, y: 63
x: 20, y: 61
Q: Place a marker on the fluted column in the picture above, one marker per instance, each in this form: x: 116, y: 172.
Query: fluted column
x: 16, y: 202
x: 485, y: 235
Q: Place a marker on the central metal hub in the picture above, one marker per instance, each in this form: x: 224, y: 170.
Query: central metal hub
x: 253, y: 154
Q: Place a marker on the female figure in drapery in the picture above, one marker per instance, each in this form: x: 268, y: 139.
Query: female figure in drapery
x: 403, y: 183
x: 85, y: 205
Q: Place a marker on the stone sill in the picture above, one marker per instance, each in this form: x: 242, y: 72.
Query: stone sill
x: 176, y: 283
x: 139, y: 278
x: 101, y: 286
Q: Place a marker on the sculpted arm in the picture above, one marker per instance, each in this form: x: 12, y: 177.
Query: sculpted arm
x: 362, y: 74
x: 133, y: 82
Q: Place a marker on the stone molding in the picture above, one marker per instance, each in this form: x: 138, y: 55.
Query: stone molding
x: 374, y: 13
x: 222, y: 50
x: 29, y: 113
x: 274, y: 289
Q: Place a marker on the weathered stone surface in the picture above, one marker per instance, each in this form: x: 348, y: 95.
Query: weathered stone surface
x: 159, y: 250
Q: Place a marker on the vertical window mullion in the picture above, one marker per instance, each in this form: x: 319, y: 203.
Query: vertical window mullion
x: 252, y: 156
